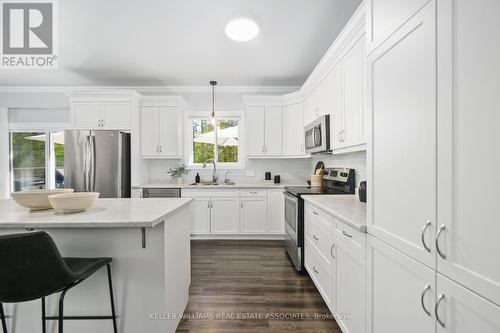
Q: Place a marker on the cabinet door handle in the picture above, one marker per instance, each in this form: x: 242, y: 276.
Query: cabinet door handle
x: 422, y: 236
x: 253, y: 192
x: 343, y: 135
x: 422, y: 296
x: 441, y: 254
x: 160, y: 149
x: 331, y: 251
x: 315, y: 212
x: 441, y: 297
x: 346, y: 234
x: 315, y: 271
x: 316, y: 237
x: 338, y: 137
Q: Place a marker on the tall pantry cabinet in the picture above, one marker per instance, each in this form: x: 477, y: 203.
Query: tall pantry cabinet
x: 433, y: 93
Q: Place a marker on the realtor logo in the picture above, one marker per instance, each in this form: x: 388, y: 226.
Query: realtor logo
x: 28, y: 31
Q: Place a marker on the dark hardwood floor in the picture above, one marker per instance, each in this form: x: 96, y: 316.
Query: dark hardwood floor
x: 251, y: 286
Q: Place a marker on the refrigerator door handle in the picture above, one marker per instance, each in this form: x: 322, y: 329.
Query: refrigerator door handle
x: 92, y: 170
x: 86, y: 164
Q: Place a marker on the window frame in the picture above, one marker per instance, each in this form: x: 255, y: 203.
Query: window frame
x: 50, y: 156
x: 220, y: 115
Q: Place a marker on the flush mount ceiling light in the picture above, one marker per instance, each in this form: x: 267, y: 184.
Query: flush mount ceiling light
x: 242, y: 29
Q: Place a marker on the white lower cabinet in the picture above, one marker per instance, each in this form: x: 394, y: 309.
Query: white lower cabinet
x: 253, y: 215
x: 254, y: 212
x: 275, y: 212
x: 336, y: 267
x: 225, y: 215
x: 400, y: 291
x: 200, y: 216
x: 459, y: 310
x: 351, y: 305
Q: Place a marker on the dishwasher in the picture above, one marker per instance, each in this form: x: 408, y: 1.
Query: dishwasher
x: 161, y: 193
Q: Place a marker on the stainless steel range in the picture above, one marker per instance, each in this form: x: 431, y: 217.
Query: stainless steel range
x: 335, y: 181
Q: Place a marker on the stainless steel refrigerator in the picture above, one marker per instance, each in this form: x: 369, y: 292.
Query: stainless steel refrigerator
x: 97, y: 161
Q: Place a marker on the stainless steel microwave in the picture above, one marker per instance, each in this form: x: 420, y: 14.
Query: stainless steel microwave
x: 317, y: 135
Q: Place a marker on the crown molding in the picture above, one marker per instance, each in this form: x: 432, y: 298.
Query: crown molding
x: 151, y: 90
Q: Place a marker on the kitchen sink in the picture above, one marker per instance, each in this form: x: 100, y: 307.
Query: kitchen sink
x: 211, y: 184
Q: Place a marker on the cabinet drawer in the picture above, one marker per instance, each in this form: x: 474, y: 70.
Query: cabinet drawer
x: 320, y: 237
x: 318, y: 216
x: 253, y: 192
x: 352, y: 238
x: 319, y: 270
x: 210, y: 193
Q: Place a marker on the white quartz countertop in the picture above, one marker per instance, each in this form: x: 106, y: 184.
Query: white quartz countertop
x: 346, y: 208
x: 107, y: 213
x: 260, y: 184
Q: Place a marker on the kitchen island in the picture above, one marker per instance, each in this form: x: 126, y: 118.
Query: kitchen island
x: 149, y: 241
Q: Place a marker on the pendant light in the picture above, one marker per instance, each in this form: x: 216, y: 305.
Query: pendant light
x: 212, y: 114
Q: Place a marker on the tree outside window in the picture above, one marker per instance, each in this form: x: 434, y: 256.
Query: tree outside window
x: 219, y: 141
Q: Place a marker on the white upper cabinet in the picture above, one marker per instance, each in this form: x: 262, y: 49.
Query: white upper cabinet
x: 385, y: 17
x: 293, y: 129
x: 150, y: 130
x: 353, y: 93
x: 337, y: 87
x: 400, y: 292
x: 255, y: 131
x: 274, y: 130
x: 468, y: 164
x: 116, y: 115
x: 103, y: 109
x: 162, y: 126
x: 274, y: 126
x: 86, y: 115
x: 402, y: 200
x: 336, y: 105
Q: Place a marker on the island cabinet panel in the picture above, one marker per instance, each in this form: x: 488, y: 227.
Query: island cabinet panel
x: 150, y: 268
x: 403, y: 110
x: 400, y: 291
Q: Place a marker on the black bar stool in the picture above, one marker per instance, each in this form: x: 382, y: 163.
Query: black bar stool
x: 31, y: 267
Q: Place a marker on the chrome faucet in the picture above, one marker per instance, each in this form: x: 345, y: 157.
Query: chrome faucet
x: 226, y: 180
x: 215, y: 176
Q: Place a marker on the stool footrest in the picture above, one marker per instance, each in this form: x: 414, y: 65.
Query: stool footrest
x: 80, y: 317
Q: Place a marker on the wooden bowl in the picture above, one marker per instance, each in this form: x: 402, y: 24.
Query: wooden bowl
x: 37, y: 199
x: 73, y: 202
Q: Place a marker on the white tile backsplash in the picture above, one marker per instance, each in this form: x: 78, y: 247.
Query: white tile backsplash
x: 290, y: 170
x: 356, y: 160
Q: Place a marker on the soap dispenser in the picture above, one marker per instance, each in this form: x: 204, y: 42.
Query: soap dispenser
x: 197, y: 178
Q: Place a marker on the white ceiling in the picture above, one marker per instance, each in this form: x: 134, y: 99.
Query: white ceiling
x: 182, y: 42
